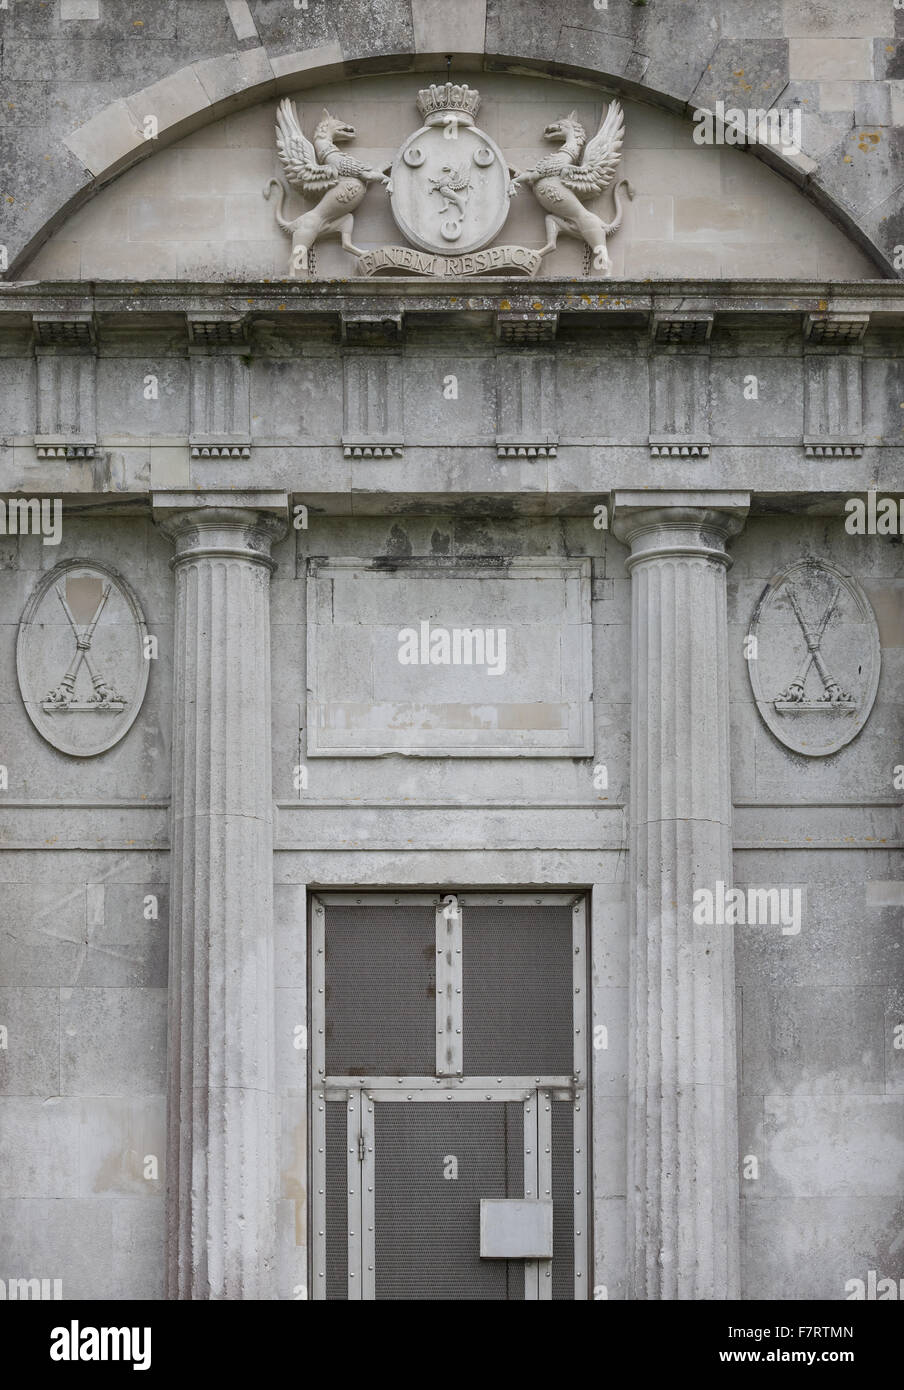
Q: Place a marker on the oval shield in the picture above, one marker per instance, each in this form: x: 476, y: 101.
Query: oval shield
x: 450, y: 188
x: 815, y: 667
x: 80, y: 658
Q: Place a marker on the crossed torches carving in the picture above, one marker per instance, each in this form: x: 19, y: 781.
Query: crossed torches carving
x: 105, y: 697
x: 832, y: 692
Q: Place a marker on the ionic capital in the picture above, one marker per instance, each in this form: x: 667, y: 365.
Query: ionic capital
x: 240, y: 525
x: 659, y: 524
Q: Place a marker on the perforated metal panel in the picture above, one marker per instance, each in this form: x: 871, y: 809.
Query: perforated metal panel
x: 380, y: 991
x: 563, y: 1199
x: 517, y: 991
x: 336, y: 1201
x: 417, y: 1156
x: 428, y: 1225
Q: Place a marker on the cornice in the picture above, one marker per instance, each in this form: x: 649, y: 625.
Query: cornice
x: 375, y: 313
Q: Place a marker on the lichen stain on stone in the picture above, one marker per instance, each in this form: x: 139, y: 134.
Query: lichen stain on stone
x: 293, y: 1174
x: 530, y: 717
x: 116, y: 1168
x: 399, y: 542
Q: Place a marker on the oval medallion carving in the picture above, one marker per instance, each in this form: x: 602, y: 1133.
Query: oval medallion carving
x: 450, y: 195
x: 816, y: 666
x: 80, y: 658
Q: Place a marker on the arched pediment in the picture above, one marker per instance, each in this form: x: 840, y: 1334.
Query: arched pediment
x: 692, y: 203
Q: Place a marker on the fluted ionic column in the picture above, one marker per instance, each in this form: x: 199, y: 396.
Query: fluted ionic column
x: 222, y: 1147
x: 682, y: 1109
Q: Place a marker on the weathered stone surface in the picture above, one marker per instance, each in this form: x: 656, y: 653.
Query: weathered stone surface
x: 438, y: 28
x: 242, y: 19
x: 87, y: 851
x: 824, y: 1243
x: 30, y: 1058
x: 676, y: 54
x: 38, y: 1147
x: 122, y: 1144
x: 743, y: 77
x: 831, y: 60
x: 109, y: 1249
x: 42, y: 935
x: 112, y: 1041
x: 868, y: 1136
x: 195, y: 208
x: 128, y: 946
x: 225, y: 79
x: 831, y: 1041
x: 110, y: 139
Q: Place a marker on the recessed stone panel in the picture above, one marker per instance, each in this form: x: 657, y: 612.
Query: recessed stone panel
x: 465, y: 659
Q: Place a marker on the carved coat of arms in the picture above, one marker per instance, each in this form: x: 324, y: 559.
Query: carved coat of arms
x: 450, y: 181
x: 450, y: 189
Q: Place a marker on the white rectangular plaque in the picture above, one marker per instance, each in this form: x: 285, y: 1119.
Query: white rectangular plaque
x: 515, y: 1228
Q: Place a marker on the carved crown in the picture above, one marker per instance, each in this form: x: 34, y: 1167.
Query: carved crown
x: 436, y: 102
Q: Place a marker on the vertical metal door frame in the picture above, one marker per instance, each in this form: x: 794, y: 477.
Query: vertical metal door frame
x: 368, y: 1198
x: 360, y: 1095
x: 544, y: 1171
x: 317, y: 1091
x: 449, y: 1004
x: 581, y: 1206
x: 354, y: 1177
x: 531, y: 1187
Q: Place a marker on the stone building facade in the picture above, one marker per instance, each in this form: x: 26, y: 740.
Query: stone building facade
x: 451, y: 751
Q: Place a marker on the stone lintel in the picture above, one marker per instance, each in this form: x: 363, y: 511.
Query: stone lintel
x: 167, y: 504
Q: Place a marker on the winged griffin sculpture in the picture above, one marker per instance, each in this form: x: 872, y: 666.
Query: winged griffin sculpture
x: 561, y: 185
x: 320, y: 168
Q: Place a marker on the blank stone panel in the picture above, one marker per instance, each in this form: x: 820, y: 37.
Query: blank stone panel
x: 457, y: 658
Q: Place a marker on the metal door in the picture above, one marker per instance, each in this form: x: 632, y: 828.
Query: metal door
x: 449, y: 1134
